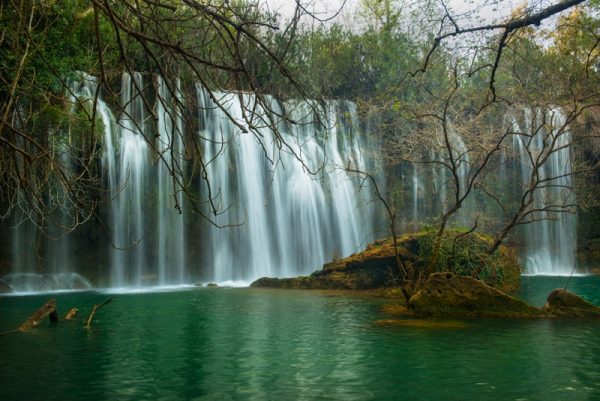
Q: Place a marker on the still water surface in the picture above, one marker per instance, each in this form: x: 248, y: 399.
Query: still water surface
x: 249, y: 344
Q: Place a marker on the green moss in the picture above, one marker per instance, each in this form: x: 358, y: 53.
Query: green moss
x: 375, y: 267
x: 466, y: 254
x: 448, y: 294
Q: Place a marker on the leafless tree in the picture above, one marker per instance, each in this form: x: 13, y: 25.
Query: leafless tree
x: 220, y: 45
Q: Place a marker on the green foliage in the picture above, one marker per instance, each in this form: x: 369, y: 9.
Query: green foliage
x: 58, y: 42
x: 465, y: 254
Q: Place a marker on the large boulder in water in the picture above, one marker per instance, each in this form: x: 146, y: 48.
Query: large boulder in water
x: 564, y: 303
x: 375, y: 267
x: 448, y: 294
x: 355, y: 276
x: 372, y: 268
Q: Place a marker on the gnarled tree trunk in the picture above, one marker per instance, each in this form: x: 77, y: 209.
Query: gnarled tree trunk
x: 48, y: 310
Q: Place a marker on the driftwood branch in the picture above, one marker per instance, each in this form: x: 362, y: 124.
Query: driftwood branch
x: 506, y: 28
x: 48, y: 310
x: 88, y: 323
x: 71, y: 314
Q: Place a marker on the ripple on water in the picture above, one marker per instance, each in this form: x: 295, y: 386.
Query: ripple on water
x: 242, y: 344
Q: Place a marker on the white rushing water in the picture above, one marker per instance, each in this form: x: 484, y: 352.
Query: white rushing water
x: 284, y: 203
x: 45, y: 261
x: 291, y: 215
x: 170, y: 230
x: 550, y: 242
x: 281, y: 201
x: 129, y: 226
x: 540, y: 138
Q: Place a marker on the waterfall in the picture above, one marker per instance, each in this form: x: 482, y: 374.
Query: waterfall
x: 550, y: 241
x: 58, y: 243
x: 432, y: 188
x: 343, y: 188
x: 291, y: 205
x: 415, y: 197
x: 145, y: 252
x: 44, y: 262
x: 24, y: 245
x: 170, y: 229
x: 548, y: 244
x: 283, y: 200
x: 129, y: 258
x: 280, y: 201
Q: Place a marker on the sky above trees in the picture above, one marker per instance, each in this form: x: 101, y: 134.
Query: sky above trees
x: 475, y: 10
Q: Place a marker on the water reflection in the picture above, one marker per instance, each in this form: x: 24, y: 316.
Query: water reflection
x: 244, y: 344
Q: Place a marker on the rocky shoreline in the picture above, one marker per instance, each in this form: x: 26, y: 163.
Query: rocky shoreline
x: 443, y: 293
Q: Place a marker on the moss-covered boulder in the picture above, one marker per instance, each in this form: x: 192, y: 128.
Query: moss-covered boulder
x: 375, y: 267
x: 466, y: 254
x: 448, y: 294
x: 352, y: 274
x: 566, y: 304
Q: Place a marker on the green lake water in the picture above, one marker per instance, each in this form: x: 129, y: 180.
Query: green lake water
x: 250, y: 344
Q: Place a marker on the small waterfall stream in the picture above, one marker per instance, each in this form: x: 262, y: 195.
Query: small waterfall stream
x: 539, y: 138
x: 550, y: 242
x: 170, y: 229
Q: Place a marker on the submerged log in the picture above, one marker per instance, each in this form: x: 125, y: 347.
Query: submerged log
x: 88, y: 323
x: 71, y: 314
x: 48, y: 310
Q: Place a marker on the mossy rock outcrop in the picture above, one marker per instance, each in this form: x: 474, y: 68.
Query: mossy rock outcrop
x: 375, y: 267
x: 448, y: 294
x: 354, y: 273
x: 566, y: 304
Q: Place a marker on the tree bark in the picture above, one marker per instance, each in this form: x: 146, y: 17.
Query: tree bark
x: 71, y: 314
x: 48, y: 310
x: 88, y: 323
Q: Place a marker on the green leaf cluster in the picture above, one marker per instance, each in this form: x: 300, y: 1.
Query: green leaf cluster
x: 465, y: 254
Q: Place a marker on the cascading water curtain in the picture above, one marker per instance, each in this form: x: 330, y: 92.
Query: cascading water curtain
x: 296, y: 205
x: 285, y: 203
x: 550, y: 242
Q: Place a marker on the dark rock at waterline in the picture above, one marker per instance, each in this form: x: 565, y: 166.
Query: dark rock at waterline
x: 448, y: 294
x: 4, y: 287
x: 357, y: 275
x: 212, y: 285
x: 566, y: 304
x: 370, y: 269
